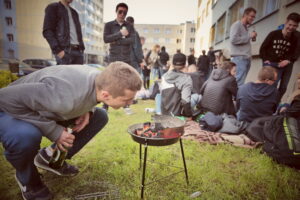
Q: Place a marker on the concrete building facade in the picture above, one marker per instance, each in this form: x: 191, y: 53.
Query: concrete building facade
x: 215, y: 18
x: 173, y: 37
x: 27, y: 26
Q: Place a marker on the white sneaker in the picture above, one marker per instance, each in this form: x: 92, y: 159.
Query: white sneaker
x: 128, y: 111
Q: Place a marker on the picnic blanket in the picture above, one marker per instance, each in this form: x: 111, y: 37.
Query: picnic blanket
x: 192, y: 131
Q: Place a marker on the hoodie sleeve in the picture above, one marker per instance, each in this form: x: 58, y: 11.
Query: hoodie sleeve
x: 265, y: 47
x: 110, y: 37
x: 232, y: 87
x: 186, y: 92
x: 26, y: 101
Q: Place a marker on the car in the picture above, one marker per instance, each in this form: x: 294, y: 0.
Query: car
x: 40, y: 63
x: 16, y: 66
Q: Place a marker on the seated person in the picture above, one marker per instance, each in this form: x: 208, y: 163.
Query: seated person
x: 198, y: 79
x: 258, y: 99
x: 219, y: 90
x: 176, y: 90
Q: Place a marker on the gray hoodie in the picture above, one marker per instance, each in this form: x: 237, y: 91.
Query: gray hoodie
x: 49, y: 95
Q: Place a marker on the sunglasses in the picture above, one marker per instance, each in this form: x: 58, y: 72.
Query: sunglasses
x: 124, y: 12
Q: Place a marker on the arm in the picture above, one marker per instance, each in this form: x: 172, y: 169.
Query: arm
x: 28, y: 101
x: 186, y: 92
x: 49, y: 28
x: 264, y: 48
x: 130, y: 39
x: 232, y: 87
x: 110, y: 37
x: 137, y: 49
x: 236, y: 38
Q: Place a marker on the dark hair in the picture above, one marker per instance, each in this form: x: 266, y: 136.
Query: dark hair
x: 249, y: 10
x: 130, y: 19
x: 163, y: 48
x: 267, y: 73
x: 294, y: 17
x: 124, y: 5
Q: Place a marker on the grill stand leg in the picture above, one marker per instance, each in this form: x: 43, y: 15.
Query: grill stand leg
x: 184, y: 164
x: 140, y: 156
x: 144, y: 171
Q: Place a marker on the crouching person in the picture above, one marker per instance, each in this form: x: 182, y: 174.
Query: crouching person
x: 35, y: 105
x: 176, y: 90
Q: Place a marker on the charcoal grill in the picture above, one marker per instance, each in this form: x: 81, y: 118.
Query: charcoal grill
x: 172, y: 129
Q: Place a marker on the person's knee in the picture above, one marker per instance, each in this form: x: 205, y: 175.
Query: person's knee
x: 100, y: 116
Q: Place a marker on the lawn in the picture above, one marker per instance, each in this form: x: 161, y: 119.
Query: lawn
x: 110, y: 162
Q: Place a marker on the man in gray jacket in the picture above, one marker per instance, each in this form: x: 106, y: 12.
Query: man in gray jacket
x: 45, y: 102
x: 240, y: 47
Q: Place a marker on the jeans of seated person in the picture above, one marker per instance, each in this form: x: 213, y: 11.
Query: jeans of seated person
x: 195, y: 99
x: 21, y: 141
x: 243, y: 64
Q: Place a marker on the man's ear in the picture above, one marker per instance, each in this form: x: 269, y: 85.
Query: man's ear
x: 105, y: 95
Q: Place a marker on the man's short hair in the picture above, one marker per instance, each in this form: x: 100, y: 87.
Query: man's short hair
x: 124, y: 5
x: 117, y: 77
x: 228, y: 65
x: 267, y: 73
x: 130, y: 19
x: 249, y: 10
x: 294, y: 17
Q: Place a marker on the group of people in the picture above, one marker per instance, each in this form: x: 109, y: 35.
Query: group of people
x: 46, y: 102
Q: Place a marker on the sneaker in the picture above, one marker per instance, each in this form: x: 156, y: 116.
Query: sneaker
x: 41, y: 160
x: 128, y: 111
x: 40, y: 192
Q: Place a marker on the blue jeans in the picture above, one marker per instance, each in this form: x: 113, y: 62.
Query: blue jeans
x: 70, y: 57
x: 21, y: 141
x: 242, y: 68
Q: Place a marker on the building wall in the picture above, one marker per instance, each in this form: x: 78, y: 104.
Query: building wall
x: 188, y: 37
x: 270, y: 15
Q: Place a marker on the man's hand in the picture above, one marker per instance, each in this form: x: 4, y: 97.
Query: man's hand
x: 284, y: 63
x: 142, y: 65
x: 253, y: 34
x: 61, y: 54
x: 65, y: 140
x: 81, y: 122
x: 267, y: 62
x: 124, y: 32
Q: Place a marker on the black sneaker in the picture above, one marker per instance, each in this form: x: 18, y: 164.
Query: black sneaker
x: 41, y: 160
x: 40, y: 192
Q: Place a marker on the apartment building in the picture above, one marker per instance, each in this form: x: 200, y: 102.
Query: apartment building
x: 173, y: 37
x: 22, y: 24
x: 215, y: 17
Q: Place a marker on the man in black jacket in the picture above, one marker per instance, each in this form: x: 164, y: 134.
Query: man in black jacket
x: 279, y: 50
x: 203, y: 64
x: 120, y: 35
x: 62, y: 30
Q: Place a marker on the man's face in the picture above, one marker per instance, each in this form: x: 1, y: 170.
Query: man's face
x: 68, y: 1
x: 250, y: 17
x: 290, y: 26
x: 121, y: 14
x: 120, y: 101
x: 233, y: 71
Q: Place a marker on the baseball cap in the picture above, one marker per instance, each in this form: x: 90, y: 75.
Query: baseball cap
x: 179, y: 59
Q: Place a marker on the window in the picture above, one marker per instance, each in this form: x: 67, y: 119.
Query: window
x: 193, y: 30
x: 155, y: 40
x: 199, y: 3
x: 220, y: 28
x: 264, y: 7
x: 192, y: 40
x: 156, y: 30
x: 178, y: 41
x: 208, y: 7
x: 7, y: 4
x: 8, y: 21
x: 168, y: 31
x: 212, y: 35
x: 167, y: 40
x: 11, y: 53
x: 145, y: 30
x: 198, y: 22
x: 203, y: 15
x: 235, y: 13
x: 10, y: 37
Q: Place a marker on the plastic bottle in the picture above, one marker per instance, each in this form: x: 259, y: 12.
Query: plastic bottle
x: 58, y: 157
x: 124, y: 28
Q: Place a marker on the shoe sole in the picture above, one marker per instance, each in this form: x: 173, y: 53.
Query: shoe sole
x: 36, y: 163
x: 20, y: 186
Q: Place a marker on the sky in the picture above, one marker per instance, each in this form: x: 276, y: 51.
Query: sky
x: 154, y: 11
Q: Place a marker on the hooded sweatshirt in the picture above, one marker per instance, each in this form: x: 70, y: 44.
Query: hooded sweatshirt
x: 218, y: 92
x: 256, y: 100
x: 176, y: 90
x: 50, y: 95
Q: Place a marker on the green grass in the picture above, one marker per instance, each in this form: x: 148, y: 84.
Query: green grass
x: 218, y: 172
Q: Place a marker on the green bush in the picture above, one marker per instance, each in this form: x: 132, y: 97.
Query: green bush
x: 6, y: 77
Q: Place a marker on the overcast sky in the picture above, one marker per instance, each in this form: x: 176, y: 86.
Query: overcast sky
x: 154, y: 11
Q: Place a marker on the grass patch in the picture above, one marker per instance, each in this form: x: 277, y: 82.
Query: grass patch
x: 218, y: 172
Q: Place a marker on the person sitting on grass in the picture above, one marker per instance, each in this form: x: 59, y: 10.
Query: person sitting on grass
x: 219, y: 90
x: 34, y: 106
x: 176, y: 90
x: 258, y: 99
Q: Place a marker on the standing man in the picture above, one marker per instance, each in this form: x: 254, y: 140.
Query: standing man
x: 62, y: 30
x: 191, y: 58
x: 43, y: 103
x: 212, y: 59
x: 163, y: 61
x: 279, y: 50
x: 240, y: 46
x: 120, y: 35
x: 136, y: 54
x: 203, y: 64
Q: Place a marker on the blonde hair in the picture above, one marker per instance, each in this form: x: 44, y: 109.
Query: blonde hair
x: 117, y: 77
x: 155, y: 47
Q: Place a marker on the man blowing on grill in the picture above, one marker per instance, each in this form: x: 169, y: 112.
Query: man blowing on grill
x: 35, y: 106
